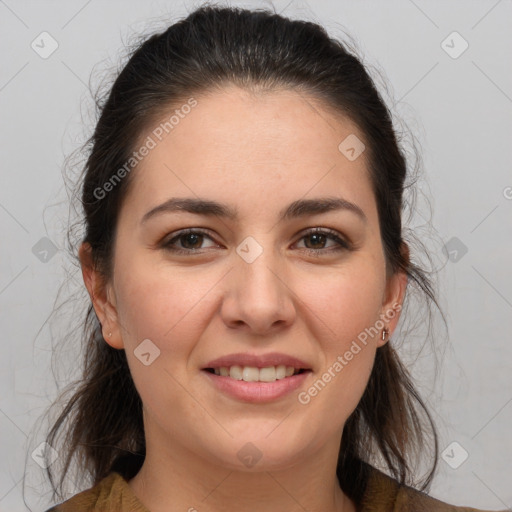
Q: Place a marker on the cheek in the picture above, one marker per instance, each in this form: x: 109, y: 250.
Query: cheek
x: 344, y: 310
x: 168, y: 309
x: 344, y: 303
x: 164, y: 305
x: 161, y: 303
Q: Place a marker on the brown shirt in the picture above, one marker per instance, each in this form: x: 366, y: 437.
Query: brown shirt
x: 383, y: 494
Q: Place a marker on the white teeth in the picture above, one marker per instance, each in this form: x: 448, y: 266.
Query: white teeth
x: 281, y: 371
x: 250, y: 374
x: 253, y: 374
x: 235, y: 372
x: 267, y: 374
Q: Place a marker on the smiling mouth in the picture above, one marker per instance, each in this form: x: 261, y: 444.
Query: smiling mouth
x: 255, y: 374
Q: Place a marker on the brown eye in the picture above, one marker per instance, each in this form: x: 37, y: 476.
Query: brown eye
x: 189, y: 241
x: 318, y: 238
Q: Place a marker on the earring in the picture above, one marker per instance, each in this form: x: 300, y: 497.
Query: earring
x: 109, y: 334
x: 385, y: 332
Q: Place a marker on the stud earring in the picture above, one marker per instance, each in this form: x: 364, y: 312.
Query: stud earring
x: 385, y: 333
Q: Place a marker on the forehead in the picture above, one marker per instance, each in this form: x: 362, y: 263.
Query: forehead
x: 253, y: 150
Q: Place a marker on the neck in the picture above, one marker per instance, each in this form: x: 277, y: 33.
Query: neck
x: 177, y: 479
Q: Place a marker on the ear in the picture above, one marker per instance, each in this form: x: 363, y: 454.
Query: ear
x: 394, y: 295
x: 102, y: 298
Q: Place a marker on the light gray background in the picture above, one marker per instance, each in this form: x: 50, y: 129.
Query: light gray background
x: 460, y: 110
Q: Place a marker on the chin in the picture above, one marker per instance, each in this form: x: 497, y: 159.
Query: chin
x: 256, y: 450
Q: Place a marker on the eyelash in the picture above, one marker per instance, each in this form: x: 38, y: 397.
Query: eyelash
x: 330, y: 234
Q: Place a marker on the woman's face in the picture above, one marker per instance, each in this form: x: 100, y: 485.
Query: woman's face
x: 253, y: 287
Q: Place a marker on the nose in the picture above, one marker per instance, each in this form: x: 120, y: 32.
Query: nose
x: 258, y: 298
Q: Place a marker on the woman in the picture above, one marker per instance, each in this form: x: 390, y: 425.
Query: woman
x: 246, y: 267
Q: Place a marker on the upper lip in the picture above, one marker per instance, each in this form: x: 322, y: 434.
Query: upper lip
x: 258, y: 361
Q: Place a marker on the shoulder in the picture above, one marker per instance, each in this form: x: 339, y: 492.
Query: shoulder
x: 384, y: 494
x: 112, y: 494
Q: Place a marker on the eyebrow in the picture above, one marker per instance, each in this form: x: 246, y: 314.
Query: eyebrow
x: 299, y: 208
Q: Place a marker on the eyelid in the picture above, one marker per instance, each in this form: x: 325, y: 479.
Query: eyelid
x: 166, y: 241
x: 343, y: 243
x: 330, y: 233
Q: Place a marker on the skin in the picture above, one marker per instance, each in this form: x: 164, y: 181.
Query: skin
x: 258, y: 153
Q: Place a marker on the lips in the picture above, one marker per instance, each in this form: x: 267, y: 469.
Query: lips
x: 257, y: 361
x: 257, y: 378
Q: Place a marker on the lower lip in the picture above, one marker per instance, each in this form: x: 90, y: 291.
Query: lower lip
x: 257, y: 392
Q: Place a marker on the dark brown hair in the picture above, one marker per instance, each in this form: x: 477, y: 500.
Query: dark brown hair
x: 101, y: 424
